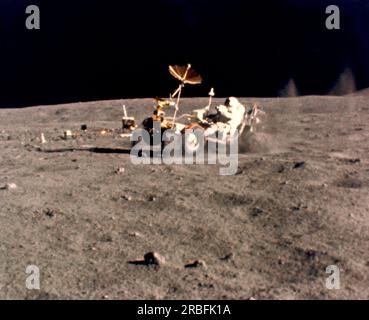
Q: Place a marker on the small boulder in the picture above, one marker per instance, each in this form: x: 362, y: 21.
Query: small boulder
x: 196, y: 264
x: 154, y: 258
x: 8, y: 186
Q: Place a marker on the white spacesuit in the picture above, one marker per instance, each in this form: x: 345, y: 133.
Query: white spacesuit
x: 229, y: 116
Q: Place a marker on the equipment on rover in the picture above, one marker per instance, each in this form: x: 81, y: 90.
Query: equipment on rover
x: 128, y: 123
x: 231, y: 118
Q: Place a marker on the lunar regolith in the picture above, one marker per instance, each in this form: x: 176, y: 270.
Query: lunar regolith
x: 81, y: 211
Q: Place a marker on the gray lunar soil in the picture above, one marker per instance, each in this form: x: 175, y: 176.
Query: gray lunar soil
x: 80, y: 211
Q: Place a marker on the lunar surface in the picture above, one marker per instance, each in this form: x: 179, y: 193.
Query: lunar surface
x: 80, y: 211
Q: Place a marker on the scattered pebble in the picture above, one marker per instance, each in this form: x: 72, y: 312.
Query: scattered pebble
x: 127, y: 198
x: 135, y: 234
x: 206, y: 285
x: 43, y: 139
x: 299, y: 165
x: 228, y: 257
x: 12, y: 186
x: 120, y: 170
x: 68, y: 134
x: 354, y: 161
x: 255, y: 212
x: 295, y: 209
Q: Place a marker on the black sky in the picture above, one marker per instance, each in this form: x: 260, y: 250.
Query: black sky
x: 89, y: 50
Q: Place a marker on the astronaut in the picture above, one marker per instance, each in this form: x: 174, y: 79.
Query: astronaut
x: 228, y: 117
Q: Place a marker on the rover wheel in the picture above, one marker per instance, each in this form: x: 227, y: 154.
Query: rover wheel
x: 193, y: 142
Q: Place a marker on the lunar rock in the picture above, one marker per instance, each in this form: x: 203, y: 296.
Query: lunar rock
x: 196, y: 264
x: 8, y: 186
x: 154, y: 258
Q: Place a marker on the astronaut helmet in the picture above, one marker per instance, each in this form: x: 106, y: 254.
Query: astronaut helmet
x: 232, y: 102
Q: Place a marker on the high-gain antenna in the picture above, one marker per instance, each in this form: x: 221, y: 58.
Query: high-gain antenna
x: 186, y: 75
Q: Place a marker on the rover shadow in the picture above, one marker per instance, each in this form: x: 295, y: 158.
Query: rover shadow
x: 92, y: 150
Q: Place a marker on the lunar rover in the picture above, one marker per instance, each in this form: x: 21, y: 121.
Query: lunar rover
x: 201, y: 124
